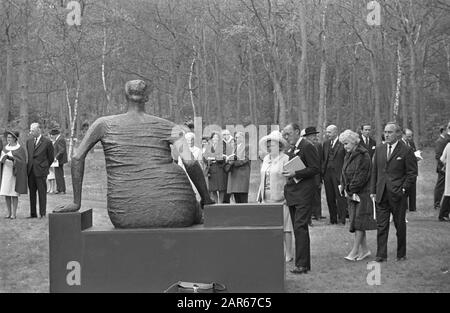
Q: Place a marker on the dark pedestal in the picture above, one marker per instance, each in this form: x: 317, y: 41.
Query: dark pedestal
x: 244, y: 259
x: 247, y: 214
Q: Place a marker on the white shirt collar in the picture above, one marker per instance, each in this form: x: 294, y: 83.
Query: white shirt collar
x: 38, y: 138
x: 334, y: 141
x: 298, y: 142
x: 393, y: 146
x: 57, y: 137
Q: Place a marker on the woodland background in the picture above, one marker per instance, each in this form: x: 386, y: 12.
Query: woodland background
x: 230, y: 61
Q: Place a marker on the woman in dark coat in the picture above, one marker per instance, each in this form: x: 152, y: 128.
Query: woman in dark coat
x: 215, y: 160
x: 354, y: 186
x: 13, y: 173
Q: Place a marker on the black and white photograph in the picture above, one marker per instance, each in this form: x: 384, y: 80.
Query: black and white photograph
x: 225, y: 146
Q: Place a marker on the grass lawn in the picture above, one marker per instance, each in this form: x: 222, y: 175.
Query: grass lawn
x: 24, y: 243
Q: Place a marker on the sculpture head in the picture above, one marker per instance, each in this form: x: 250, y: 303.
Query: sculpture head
x: 137, y: 91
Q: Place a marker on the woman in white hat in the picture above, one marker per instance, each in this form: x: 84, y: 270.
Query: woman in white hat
x: 271, y: 188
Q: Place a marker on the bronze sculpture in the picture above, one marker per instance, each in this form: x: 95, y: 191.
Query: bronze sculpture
x: 146, y: 188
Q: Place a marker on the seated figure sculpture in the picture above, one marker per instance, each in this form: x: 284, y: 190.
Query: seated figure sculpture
x: 146, y: 189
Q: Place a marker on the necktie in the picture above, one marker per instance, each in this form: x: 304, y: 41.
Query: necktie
x: 389, y: 152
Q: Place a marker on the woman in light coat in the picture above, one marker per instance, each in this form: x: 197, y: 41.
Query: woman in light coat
x: 271, y: 188
x: 445, y: 206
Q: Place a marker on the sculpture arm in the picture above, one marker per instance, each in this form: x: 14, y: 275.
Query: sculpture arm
x: 93, y: 135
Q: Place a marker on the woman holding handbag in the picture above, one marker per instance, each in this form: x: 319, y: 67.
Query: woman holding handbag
x: 271, y: 188
x: 355, y: 180
x: 13, y: 173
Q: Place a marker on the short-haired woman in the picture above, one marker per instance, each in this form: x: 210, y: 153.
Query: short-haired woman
x: 13, y: 173
x: 355, y: 180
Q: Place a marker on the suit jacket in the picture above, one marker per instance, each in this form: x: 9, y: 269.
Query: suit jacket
x: 298, y: 193
x: 438, y: 149
x: 400, y: 171
x: 239, y: 172
x: 338, y: 161
x: 370, y: 147
x: 40, y: 157
x: 319, y: 148
x: 60, y: 147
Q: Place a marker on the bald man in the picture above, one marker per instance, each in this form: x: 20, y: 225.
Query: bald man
x: 40, y: 157
x: 333, y: 154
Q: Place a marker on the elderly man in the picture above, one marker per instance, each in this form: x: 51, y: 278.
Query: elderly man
x: 333, y: 154
x: 145, y: 188
x: 40, y: 157
x: 408, y: 140
x: 299, y: 192
x: 394, y: 171
x: 311, y: 134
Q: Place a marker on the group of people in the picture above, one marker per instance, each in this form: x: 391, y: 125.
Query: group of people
x: 28, y: 168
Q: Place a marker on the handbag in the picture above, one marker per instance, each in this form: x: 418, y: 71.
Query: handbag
x: 189, y: 287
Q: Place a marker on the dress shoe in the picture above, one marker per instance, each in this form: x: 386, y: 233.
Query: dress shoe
x: 380, y: 259
x: 401, y: 259
x: 444, y: 219
x: 351, y: 259
x: 365, y: 255
x: 299, y: 270
x: 42, y: 216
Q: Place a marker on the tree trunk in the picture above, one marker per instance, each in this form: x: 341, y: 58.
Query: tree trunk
x: 375, y: 87
x: 252, y: 89
x: 205, y: 77
x: 6, y: 102
x: 107, y: 94
x: 289, y: 106
x: 414, y: 94
x: 24, y: 75
x: 321, y: 122
x: 398, y: 84
x: 280, y: 104
x: 217, y: 84
x: 404, y: 101
x: 301, y: 73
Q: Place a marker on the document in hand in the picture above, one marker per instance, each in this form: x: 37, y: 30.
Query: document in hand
x: 296, y: 164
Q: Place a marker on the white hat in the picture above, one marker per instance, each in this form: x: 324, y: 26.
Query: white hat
x: 276, y: 136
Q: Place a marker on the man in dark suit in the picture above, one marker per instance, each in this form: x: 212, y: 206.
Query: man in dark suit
x: 311, y: 134
x: 299, y: 192
x: 40, y: 157
x: 439, y: 147
x: 366, y: 141
x: 333, y: 154
x: 60, y: 148
x: 227, y: 144
x: 393, y: 173
x: 408, y: 140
